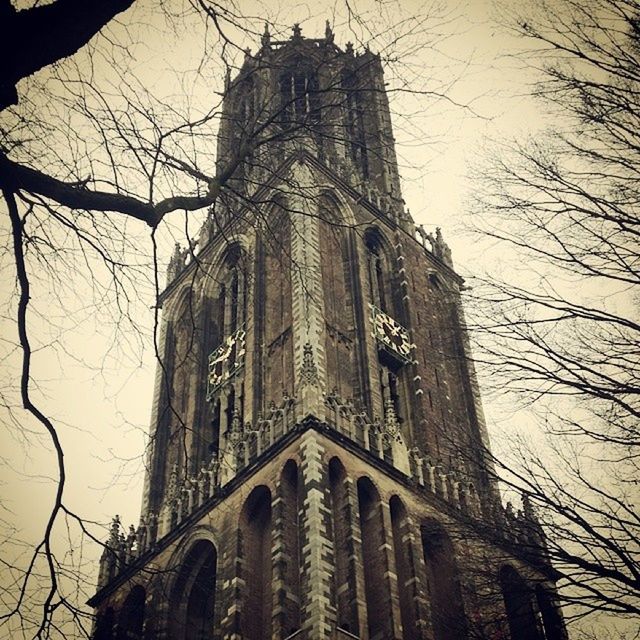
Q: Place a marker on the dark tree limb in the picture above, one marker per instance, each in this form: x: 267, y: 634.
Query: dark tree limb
x: 34, y: 38
x: 18, y: 177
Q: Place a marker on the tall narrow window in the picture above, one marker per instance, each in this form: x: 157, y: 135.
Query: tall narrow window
x: 339, y: 316
x: 552, y: 621
x: 378, y: 273
x: 225, y: 358
x: 232, y: 291
x: 177, y: 452
x: 376, y: 584
x: 354, y: 99
x: 290, y: 533
x: 518, y: 602
x: 233, y: 320
x: 406, y: 578
x: 255, y: 533
x: 192, y: 600
x: 214, y: 440
x: 276, y: 307
x: 221, y: 307
x: 344, y: 586
x: 131, y: 620
x: 443, y: 582
x: 299, y: 97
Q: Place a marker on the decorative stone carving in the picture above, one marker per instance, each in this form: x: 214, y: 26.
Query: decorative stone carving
x: 309, y: 371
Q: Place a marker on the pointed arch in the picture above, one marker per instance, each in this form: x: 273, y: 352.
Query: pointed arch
x: 287, y: 519
x: 223, y: 314
x: 255, y: 551
x: 337, y: 271
x: 380, y: 268
x: 518, y: 602
x: 180, y: 367
x: 377, y: 596
x: 443, y: 583
x: 406, y: 578
x: 192, y: 598
x: 131, y: 618
x: 274, y: 307
x: 344, y: 583
x: 552, y: 621
x: 393, y: 380
x: 300, y: 97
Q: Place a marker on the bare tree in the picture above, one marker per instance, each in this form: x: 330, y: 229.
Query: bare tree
x: 557, y: 329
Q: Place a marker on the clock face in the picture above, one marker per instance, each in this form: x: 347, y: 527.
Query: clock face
x: 391, y: 334
x: 225, y: 361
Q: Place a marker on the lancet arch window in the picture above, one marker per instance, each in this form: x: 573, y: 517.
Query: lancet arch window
x: 443, y: 584
x: 192, y: 601
x: 173, y: 439
x: 392, y: 338
x: 373, y: 537
x: 232, y: 287
x: 299, y: 96
x: 185, y: 350
x: 226, y: 321
x: 378, y: 272
x: 131, y: 619
x: 403, y: 554
x: 531, y: 613
x: 274, y: 307
x: 287, y: 512
x: 354, y: 115
x: 338, y: 275
x: 345, y: 588
x: 255, y: 550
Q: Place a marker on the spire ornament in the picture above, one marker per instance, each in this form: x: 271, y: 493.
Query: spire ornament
x: 328, y: 33
x: 309, y: 370
x: 266, y: 36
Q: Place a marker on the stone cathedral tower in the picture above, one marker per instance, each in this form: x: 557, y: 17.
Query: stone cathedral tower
x: 318, y: 462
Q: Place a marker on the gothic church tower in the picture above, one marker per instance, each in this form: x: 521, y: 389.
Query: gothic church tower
x: 318, y: 462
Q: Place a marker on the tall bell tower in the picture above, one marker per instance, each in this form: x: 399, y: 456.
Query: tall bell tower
x: 318, y: 462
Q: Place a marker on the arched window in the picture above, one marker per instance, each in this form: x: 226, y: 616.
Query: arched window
x: 192, y: 599
x: 232, y: 295
x: 443, y: 584
x: 339, y: 314
x: 131, y: 619
x: 378, y: 268
x: 255, y: 550
x: 185, y: 337
x: 173, y: 437
x: 224, y: 349
x: 518, y: 602
x: 392, y: 377
x: 299, y: 96
x: 406, y: 579
x: 344, y: 586
x: 552, y: 621
x: 289, y: 517
x: 379, y: 615
x: 354, y: 115
x: 274, y: 308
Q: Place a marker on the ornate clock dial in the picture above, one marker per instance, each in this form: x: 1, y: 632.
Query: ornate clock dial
x: 226, y: 360
x: 391, y: 334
